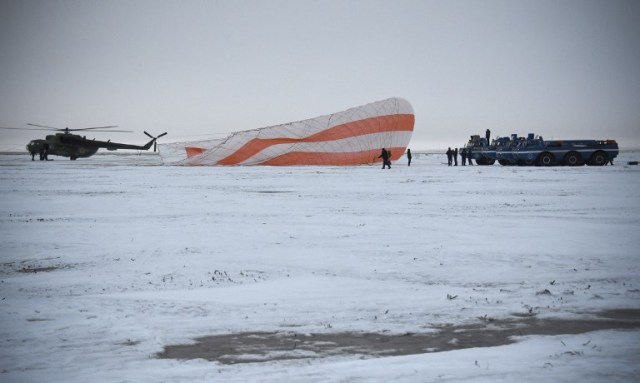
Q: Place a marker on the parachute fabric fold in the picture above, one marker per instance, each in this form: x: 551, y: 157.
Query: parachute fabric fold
x: 351, y: 137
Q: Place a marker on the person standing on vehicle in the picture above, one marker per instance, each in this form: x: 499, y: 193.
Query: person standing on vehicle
x: 487, y: 134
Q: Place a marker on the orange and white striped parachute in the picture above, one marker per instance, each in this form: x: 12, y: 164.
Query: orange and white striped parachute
x: 351, y: 137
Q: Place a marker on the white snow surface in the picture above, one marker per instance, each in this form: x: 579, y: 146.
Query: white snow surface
x: 134, y: 257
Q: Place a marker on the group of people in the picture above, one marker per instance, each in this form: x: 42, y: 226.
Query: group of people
x: 386, y: 158
x: 452, y: 157
x: 44, y: 153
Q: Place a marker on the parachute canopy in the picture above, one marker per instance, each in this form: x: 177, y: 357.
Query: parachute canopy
x: 351, y: 137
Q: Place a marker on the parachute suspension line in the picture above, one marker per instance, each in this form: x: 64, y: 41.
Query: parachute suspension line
x: 327, y: 126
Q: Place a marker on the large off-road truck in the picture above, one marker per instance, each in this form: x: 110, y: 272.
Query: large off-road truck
x: 533, y: 150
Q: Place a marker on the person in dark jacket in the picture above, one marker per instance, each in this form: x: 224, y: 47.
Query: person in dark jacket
x: 449, y: 156
x: 455, y: 157
x: 385, y: 158
x: 409, y: 157
x: 44, y: 153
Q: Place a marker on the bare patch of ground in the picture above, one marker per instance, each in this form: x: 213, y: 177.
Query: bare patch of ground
x: 34, y: 266
x: 37, y: 269
x: 268, y: 346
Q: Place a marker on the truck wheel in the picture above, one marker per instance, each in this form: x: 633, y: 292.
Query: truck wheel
x: 485, y: 161
x: 598, y: 158
x: 546, y: 159
x: 572, y: 159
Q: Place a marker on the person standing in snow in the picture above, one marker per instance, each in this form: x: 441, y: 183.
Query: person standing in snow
x: 455, y: 157
x: 385, y: 158
x: 463, y: 154
x: 409, y: 157
x: 449, y: 156
x: 44, y: 153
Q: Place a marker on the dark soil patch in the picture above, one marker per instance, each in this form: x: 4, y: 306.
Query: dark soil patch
x: 26, y: 268
x: 268, y: 346
x: 37, y: 269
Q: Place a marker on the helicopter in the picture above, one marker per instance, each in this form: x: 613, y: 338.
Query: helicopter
x: 74, y: 146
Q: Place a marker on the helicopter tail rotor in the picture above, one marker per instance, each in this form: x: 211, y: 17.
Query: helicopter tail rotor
x: 155, y: 144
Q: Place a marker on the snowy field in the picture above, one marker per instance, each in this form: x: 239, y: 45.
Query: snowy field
x: 107, y: 260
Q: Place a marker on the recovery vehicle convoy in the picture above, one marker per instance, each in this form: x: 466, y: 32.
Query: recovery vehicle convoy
x: 532, y: 150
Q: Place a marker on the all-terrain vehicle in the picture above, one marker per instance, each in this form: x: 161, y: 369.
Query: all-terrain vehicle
x: 533, y: 150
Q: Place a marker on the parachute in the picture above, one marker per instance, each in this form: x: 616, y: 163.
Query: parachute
x: 351, y: 137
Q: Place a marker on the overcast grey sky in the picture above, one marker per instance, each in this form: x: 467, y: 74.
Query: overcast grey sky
x: 560, y: 68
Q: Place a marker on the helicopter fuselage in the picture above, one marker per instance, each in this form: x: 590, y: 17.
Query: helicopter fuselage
x: 62, y: 144
x: 75, y: 146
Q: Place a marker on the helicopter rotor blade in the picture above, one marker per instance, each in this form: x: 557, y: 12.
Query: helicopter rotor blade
x: 62, y: 130
x: 155, y: 145
x: 105, y: 131
x: 2, y: 127
x: 163, y: 134
x: 98, y: 130
x: 45, y: 126
x: 98, y: 127
x: 148, y: 135
x: 95, y: 128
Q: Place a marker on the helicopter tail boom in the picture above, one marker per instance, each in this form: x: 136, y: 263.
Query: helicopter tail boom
x: 115, y: 145
x: 147, y: 146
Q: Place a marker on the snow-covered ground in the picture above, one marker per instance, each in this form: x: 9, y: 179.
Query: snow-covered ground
x: 105, y: 261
